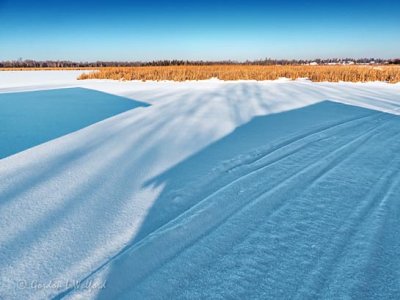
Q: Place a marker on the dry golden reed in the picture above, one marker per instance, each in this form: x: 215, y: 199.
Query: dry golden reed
x: 333, y: 73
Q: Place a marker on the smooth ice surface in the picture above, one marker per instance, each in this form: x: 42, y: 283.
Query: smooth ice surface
x: 270, y: 190
x: 28, y: 119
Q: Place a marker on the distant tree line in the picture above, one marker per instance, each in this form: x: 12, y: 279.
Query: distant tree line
x: 71, y: 64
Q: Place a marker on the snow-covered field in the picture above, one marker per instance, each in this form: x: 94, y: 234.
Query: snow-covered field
x: 238, y: 190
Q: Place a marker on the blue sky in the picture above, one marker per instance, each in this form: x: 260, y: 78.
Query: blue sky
x: 210, y: 30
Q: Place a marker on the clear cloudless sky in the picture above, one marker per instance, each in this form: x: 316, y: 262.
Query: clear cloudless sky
x: 90, y: 30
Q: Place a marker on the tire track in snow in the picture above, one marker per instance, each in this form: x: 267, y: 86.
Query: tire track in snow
x: 299, y: 137
x: 189, y: 216
x: 271, y: 161
x: 260, y: 211
x: 290, y: 145
x: 313, y: 135
x: 251, y: 217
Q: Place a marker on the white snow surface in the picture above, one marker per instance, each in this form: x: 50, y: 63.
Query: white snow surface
x: 275, y: 189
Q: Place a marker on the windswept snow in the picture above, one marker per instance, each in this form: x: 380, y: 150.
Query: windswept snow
x: 281, y: 189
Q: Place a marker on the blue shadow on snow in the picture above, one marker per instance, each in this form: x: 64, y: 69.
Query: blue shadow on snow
x: 28, y: 119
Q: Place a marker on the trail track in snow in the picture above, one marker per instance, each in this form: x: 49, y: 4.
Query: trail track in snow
x: 207, y: 238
